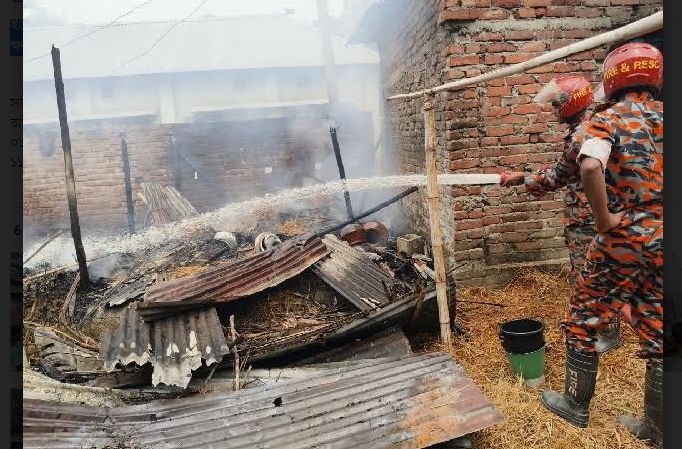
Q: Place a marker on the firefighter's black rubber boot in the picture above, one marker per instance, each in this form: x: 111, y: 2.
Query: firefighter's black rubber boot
x: 652, y: 427
x: 581, y: 378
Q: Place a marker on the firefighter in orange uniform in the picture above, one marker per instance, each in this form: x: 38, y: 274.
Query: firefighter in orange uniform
x: 571, y: 97
x: 621, y: 167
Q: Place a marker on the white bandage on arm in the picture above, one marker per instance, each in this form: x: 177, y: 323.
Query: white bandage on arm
x: 599, y: 149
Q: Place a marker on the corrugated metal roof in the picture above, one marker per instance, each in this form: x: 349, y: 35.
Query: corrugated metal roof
x: 228, y: 43
x: 236, y: 280
x: 354, y: 275
x: 175, y: 346
x: 410, y: 402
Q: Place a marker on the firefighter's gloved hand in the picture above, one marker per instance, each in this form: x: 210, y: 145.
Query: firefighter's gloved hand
x: 512, y: 178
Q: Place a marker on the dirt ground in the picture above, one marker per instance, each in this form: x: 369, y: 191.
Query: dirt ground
x: 528, y: 424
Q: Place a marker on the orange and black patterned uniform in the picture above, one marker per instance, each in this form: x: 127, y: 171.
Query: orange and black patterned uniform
x: 580, y: 230
x: 625, y: 264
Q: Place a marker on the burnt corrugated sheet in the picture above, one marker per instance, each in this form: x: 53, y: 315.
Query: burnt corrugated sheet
x: 410, y: 402
x: 241, y: 278
x: 354, y: 275
x: 175, y: 346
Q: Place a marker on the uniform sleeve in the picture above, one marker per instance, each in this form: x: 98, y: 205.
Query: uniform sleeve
x: 556, y: 177
x: 598, y: 139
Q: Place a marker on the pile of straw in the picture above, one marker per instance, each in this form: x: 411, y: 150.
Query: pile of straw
x: 528, y: 424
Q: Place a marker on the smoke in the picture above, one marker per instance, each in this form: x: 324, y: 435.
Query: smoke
x: 292, y: 94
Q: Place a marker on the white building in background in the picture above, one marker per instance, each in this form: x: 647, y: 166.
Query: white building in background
x: 230, y: 68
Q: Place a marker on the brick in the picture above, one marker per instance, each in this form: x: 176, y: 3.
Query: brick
x: 453, y: 49
x: 489, y: 141
x: 499, y: 91
x: 511, y: 237
x: 493, y: 14
x: 525, y: 13
x: 502, y: 130
x: 454, y: 74
x: 582, y: 56
x: 472, y: 48
x: 625, y: 2
x: 560, y: 11
x: 514, y: 160
x: 533, y: 46
x: 464, y: 164
x: 515, y: 119
x: 528, y: 246
x: 506, y: 3
x: 519, y: 99
x: 493, y: 59
x: 495, y: 152
x: 527, y: 109
x: 489, y: 36
x: 515, y: 58
x: 530, y: 89
x: 536, y: 3
x: 519, y: 35
x: 459, y: 14
x: 498, y: 47
x: 588, y: 12
x: 536, y: 128
x: 547, y: 68
x: 455, y: 61
x: 520, y: 79
x: 498, y: 111
x: 475, y: 3
x: 513, y: 140
x: 469, y: 224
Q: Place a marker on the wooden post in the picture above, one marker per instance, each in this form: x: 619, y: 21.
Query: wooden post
x: 432, y: 194
x: 129, y: 189
x: 68, y: 171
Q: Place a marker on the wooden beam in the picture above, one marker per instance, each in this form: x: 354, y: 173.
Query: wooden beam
x: 641, y: 27
x: 130, y: 205
x: 68, y: 171
x: 433, y: 196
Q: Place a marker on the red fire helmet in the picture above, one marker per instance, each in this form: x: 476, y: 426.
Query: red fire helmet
x: 572, y: 94
x: 633, y: 65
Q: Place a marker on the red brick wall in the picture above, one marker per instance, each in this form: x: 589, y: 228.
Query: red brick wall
x: 230, y: 159
x: 98, y: 172
x: 495, y: 126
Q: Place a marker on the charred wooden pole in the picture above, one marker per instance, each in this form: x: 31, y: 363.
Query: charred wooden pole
x: 432, y: 194
x: 342, y: 172
x: 68, y: 171
x: 129, y: 189
x: 376, y: 208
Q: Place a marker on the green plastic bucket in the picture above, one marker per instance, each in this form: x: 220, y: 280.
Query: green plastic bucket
x: 530, y: 366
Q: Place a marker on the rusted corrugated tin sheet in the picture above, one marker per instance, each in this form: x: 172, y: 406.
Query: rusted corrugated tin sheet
x: 410, y: 402
x: 175, y: 346
x: 354, y: 275
x: 241, y: 278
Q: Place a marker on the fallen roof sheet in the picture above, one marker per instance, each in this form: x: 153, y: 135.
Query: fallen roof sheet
x: 354, y: 275
x: 410, y: 402
x: 236, y: 280
x: 175, y: 346
x: 165, y: 203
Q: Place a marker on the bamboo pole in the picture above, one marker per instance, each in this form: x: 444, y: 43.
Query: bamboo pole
x: 68, y: 171
x: 641, y: 27
x: 432, y: 194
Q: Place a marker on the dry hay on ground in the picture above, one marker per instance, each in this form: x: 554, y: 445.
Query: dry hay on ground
x: 292, y: 228
x: 527, y: 423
